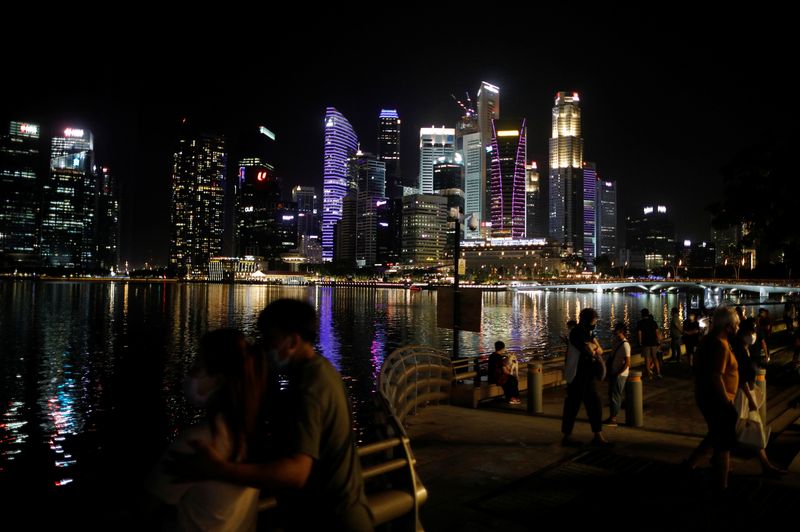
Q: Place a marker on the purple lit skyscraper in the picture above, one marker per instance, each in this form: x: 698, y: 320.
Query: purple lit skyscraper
x: 508, y: 178
x: 589, y: 212
x: 340, y: 145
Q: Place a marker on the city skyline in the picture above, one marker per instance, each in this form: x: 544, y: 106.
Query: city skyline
x: 639, y: 108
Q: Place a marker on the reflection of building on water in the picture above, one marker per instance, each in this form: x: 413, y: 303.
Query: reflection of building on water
x: 249, y: 269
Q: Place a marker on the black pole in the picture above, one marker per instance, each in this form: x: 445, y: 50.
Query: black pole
x: 456, y: 295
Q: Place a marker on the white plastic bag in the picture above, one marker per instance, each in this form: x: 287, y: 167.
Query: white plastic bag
x: 750, y: 431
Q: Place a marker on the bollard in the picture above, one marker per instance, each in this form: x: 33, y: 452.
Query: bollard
x: 634, y: 416
x: 761, y: 384
x: 535, y: 383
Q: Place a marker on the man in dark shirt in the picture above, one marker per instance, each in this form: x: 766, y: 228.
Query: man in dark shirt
x: 649, y: 339
x: 499, y: 374
x: 581, y: 382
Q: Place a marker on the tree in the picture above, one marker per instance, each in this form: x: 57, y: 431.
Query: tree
x: 762, y: 194
x: 602, y: 264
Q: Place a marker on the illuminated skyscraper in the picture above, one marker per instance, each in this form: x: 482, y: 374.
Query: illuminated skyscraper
x: 468, y: 144
x: 488, y: 110
x: 198, y: 177
x: 566, y: 168
x: 535, y: 203
x: 607, y: 218
x: 257, y: 198
x: 389, y: 151
x: 308, y: 229
x: 589, y: 221
x: 21, y: 175
x: 433, y: 143
x: 68, y: 193
x: 508, y: 178
x: 340, y: 143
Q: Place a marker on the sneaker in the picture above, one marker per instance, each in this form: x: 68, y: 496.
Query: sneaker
x: 610, y: 422
x: 659, y: 376
x: 514, y: 401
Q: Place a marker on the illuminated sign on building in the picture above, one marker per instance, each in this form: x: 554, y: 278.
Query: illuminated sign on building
x: 266, y: 132
x: 71, y: 132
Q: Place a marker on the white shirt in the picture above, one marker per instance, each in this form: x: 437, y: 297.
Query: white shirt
x: 208, y: 505
x: 622, y: 350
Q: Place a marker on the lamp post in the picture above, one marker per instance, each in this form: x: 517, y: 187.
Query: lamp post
x: 456, y: 216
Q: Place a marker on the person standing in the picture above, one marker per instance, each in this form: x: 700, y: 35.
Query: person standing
x: 675, y: 333
x: 716, y: 382
x: 691, y: 336
x: 581, y: 381
x: 649, y: 337
x: 618, y: 368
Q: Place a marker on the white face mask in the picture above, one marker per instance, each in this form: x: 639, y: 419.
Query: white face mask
x: 750, y: 339
x: 198, y: 389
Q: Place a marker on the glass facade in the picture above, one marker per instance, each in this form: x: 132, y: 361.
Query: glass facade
x: 508, y: 153
x: 340, y: 144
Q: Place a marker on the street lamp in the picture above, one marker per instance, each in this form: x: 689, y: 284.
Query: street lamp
x: 472, y: 221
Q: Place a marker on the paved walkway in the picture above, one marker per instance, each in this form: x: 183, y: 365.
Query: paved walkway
x: 497, y: 468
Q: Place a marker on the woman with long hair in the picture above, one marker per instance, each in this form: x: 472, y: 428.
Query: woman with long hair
x: 228, y: 379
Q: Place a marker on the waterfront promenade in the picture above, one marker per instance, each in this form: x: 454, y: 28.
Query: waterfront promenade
x: 497, y: 468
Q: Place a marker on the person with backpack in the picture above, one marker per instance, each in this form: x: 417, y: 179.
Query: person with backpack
x: 619, y: 364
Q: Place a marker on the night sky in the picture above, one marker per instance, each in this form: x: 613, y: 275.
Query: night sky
x: 666, y: 98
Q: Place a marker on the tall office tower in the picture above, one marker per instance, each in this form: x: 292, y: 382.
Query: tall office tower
x: 535, y: 203
x: 607, y: 218
x: 106, y: 234
x: 22, y: 171
x: 566, y: 168
x: 308, y: 223
x: 488, y: 110
x: 66, y: 195
x: 340, y: 144
x: 448, y: 181
x: 389, y: 151
x: 367, y: 173
x: 433, y: 143
x: 424, y: 229
x: 257, y: 199
x: 468, y: 144
x: 650, y: 238
x: 589, y: 219
x: 508, y: 154
x: 198, y: 176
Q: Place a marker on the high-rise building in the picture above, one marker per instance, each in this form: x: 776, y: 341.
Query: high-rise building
x: 389, y: 151
x: 308, y: 229
x: 433, y: 143
x: 424, y: 230
x: 258, y: 196
x: 589, y: 221
x: 340, y: 143
x: 535, y: 203
x: 198, y: 176
x: 566, y: 168
x: 367, y: 173
x: 488, y: 110
x: 67, y: 219
x: 468, y: 144
x: 106, y: 234
x: 21, y: 175
x: 650, y: 238
x: 607, y: 218
x: 448, y: 181
x: 508, y: 154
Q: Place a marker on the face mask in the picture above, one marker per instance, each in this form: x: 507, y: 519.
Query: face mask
x: 192, y: 387
x: 592, y: 326
x: 750, y: 339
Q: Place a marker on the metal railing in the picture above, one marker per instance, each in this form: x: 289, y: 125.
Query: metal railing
x: 415, y: 376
